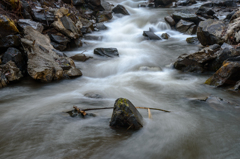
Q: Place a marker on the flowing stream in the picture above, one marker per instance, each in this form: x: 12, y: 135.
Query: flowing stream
x: 33, y: 123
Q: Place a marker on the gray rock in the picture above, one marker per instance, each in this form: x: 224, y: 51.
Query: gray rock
x: 103, y: 16
x: 183, y: 26
x: 100, y: 26
x: 184, y: 16
x: 119, y: 9
x: 69, y: 24
x: 43, y: 16
x: 162, y: 2
x: 210, y: 32
x: 192, y: 40
x: 170, y: 20
x: 78, y: 2
x: 150, y: 35
x: 125, y: 115
x: 108, y: 52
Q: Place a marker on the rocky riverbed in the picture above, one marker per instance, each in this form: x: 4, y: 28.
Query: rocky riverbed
x: 158, y: 54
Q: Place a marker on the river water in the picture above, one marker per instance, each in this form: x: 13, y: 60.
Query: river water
x: 33, y: 123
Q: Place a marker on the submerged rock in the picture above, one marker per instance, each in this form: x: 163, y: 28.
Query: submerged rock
x: 165, y: 35
x: 109, y: 52
x: 150, y: 35
x: 80, y: 57
x: 120, y: 9
x: 125, y: 115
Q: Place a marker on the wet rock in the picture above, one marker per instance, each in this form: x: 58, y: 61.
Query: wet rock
x: 228, y: 74
x: 125, y: 115
x: 158, y: 3
x: 103, y: 16
x: 197, y: 62
x: 87, y: 26
x: 119, y: 9
x: 9, y: 41
x: 13, y: 54
x: 92, y: 37
x: 22, y: 23
x: 150, y: 35
x: 8, y: 73
x: 183, y: 26
x: 192, y: 40
x: 165, y: 36
x: 76, y: 43
x: 210, y: 32
x: 237, y: 86
x: 26, y: 10
x: 58, y: 46
x: 184, y: 16
x: 92, y: 95
x: 95, y: 5
x: 205, y: 12
x: 108, y: 52
x: 80, y: 57
x: 191, y: 30
x: 170, y: 20
x: 44, y: 63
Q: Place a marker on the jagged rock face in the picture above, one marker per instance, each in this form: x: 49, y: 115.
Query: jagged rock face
x: 9, y: 72
x: 120, y: 9
x: 228, y: 74
x: 210, y: 32
x: 44, y: 63
x: 125, y: 115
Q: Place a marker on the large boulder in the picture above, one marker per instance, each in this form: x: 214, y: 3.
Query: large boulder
x: 210, y: 32
x: 125, y: 115
x: 150, y: 35
x: 120, y: 9
x: 13, y: 54
x: 44, y: 63
x: 228, y: 74
x: 108, y: 52
x: 199, y: 61
x: 9, y: 72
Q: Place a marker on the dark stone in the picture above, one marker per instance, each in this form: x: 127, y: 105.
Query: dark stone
x: 150, y: 35
x: 7, y: 26
x: 10, y: 41
x: 165, y: 36
x: 210, y: 32
x: 186, y: 2
x: 59, y: 38
x: 170, y: 20
x: 13, y: 54
x: 90, y: 37
x: 109, y: 52
x: 95, y: 5
x: 58, y: 46
x: 205, y: 12
x: 120, y: 9
x: 76, y: 43
x: 125, y: 115
x: 191, y: 30
x: 26, y: 9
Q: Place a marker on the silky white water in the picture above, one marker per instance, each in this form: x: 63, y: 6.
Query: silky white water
x: 34, y: 125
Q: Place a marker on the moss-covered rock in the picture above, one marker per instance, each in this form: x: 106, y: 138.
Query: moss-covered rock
x: 125, y: 115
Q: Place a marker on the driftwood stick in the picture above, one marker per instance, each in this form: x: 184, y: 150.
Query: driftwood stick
x: 75, y: 107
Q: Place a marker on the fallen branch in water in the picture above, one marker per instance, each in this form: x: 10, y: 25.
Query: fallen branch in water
x: 82, y: 111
